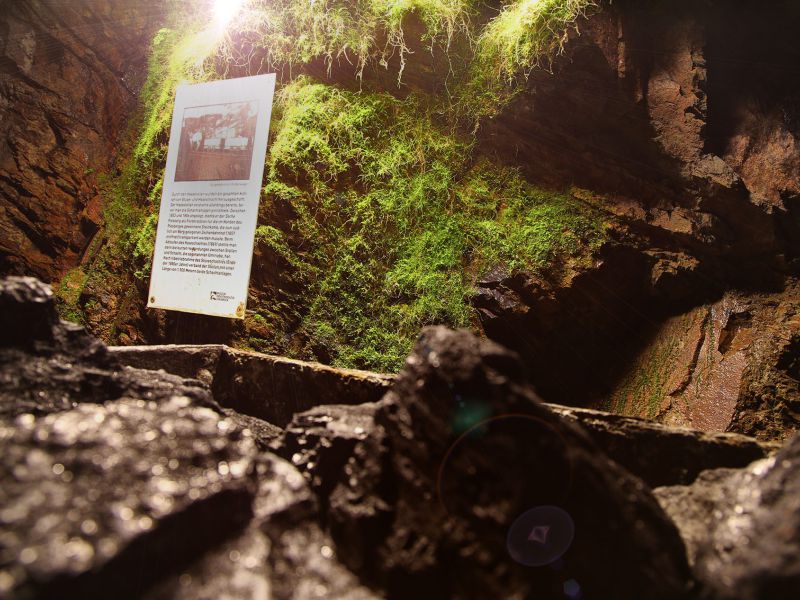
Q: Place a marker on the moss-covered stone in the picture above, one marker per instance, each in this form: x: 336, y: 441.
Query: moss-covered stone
x: 378, y: 210
x: 395, y: 218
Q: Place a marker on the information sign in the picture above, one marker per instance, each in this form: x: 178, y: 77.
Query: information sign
x: 209, y: 203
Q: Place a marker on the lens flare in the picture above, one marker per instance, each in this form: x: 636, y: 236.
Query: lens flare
x: 225, y: 10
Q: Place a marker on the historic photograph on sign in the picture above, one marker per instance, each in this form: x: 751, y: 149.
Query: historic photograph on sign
x: 217, y: 142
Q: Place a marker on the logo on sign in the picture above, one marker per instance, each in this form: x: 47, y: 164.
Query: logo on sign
x: 221, y: 296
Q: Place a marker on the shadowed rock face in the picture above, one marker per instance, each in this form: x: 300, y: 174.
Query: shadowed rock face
x: 69, y: 73
x: 662, y: 455
x: 681, y: 117
x: 742, y: 527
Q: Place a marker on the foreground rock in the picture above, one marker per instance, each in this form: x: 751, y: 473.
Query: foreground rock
x: 128, y: 483
x: 282, y: 554
x: 273, y: 389
x: 94, y: 494
x: 47, y: 365
x: 131, y: 483
x: 742, y: 527
x: 458, y: 450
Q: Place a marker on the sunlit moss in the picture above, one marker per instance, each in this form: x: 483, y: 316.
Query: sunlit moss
x: 392, y: 216
x: 395, y: 219
x: 287, y: 32
x: 525, y: 35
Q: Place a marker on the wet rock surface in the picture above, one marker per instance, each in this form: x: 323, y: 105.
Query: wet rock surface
x: 460, y: 448
x: 724, y: 366
x: 113, y: 488
x: 47, y: 365
x: 128, y: 483
x: 283, y: 553
x: 742, y: 527
x: 458, y: 483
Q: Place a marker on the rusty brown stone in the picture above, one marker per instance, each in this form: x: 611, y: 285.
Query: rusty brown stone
x: 69, y: 75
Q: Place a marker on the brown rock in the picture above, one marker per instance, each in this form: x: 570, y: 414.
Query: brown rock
x: 742, y: 527
x: 420, y: 498
x: 728, y: 366
x: 272, y: 388
x: 68, y: 78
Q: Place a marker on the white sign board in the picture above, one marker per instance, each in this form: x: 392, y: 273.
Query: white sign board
x: 209, y: 205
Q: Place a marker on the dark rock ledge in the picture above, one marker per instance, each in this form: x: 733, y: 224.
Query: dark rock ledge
x: 275, y: 388
x: 246, y: 476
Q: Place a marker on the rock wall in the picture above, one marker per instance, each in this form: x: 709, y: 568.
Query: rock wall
x: 729, y: 365
x: 256, y: 384
x: 681, y: 118
x: 69, y: 74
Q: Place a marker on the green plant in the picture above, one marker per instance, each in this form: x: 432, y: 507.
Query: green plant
x: 290, y: 32
x: 527, y: 34
x: 391, y: 216
x: 68, y: 293
x: 394, y: 218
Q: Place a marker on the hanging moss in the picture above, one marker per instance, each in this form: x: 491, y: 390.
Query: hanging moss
x: 525, y: 35
x: 289, y: 32
x: 393, y: 217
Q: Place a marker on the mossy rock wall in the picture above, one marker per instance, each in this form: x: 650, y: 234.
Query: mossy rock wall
x: 377, y: 214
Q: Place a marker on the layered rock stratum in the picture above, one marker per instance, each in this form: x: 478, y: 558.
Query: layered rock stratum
x: 69, y: 78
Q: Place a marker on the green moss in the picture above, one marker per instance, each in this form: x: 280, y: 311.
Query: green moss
x: 525, y: 35
x: 394, y: 218
x: 144, y: 244
x: 345, y: 31
x: 133, y: 196
x: 68, y: 293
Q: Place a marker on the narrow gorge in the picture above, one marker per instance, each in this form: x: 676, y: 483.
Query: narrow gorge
x: 527, y: 265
